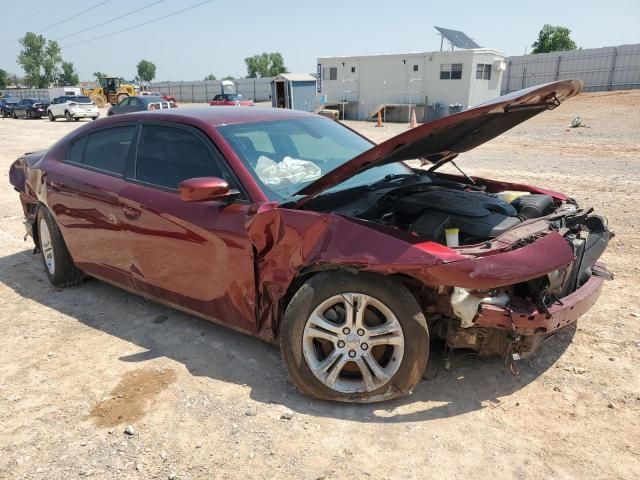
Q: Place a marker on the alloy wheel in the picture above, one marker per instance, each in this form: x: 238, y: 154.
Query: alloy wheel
x: 353, y: 343
x: 47, y: 246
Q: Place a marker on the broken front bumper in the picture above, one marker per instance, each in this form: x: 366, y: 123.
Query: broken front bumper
x: 525, y: 319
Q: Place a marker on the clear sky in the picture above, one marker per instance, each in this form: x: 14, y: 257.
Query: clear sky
x: 217, y: 36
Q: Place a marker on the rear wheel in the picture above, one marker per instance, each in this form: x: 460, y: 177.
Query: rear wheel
x: 56, y: 258
x: 51, y: 117
x: 354, y: 338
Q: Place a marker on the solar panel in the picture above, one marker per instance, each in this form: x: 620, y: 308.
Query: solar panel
x: 457, y: 38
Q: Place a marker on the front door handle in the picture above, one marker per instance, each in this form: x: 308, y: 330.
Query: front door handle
x: 131, y: 212
x: 57, y: 186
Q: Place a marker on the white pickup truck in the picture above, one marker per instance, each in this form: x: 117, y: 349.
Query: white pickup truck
x: 72, y: 108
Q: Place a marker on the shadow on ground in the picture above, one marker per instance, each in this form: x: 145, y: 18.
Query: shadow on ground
x: 213, y: 351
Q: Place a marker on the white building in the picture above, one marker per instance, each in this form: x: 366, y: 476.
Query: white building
x: 362, y: 85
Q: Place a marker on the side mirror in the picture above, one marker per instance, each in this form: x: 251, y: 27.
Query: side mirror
x: 203, y: 189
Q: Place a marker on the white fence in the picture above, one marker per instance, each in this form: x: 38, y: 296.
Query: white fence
x: 257, y: 89
x: 600, y: 69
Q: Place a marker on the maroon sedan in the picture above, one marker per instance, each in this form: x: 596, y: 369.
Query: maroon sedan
x: 293, y: 228
x: 230, y: 100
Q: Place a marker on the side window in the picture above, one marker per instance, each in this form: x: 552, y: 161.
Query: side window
x: 124, y: 102
x: 168, y: 155
x: 217, y: 98
x: 134, y: 102
x: 76, y: 150
x: 108, y: 149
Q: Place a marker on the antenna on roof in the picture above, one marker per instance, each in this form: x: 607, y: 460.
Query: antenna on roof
x: 456, y: 38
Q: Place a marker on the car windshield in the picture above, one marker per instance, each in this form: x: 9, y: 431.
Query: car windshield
x: 234, y: 97
x: 285, y: 156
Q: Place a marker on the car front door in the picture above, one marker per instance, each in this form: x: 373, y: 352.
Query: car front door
x: 21, y: 107
x: 82, y: 193
x: 198, y: 255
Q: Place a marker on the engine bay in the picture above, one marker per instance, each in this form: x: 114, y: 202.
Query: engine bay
x: 427, y: 206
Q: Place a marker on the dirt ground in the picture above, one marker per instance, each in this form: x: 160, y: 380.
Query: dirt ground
x: 81, y: 365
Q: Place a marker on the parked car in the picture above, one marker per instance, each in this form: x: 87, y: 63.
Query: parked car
x: 140, y: 104
x: 293, y: 228
x: 230, y: 99
x: 30, y: 108
x: 167, y: 97
x: 6, y: 104
x: 72, y: 108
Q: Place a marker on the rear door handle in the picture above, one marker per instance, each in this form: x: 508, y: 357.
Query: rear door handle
x: 57, y: 186
x: 131, y: 212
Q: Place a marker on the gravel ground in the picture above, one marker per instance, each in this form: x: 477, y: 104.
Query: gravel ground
x: 99, y: 383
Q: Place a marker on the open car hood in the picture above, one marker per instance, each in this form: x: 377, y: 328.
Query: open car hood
x: 443, y: 139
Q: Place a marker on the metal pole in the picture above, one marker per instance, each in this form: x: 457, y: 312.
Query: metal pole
x: 193, y: 96
x: 558, y: 67
x: 384, y: 101
x: 524, y: 74
x: 613, y: 68
x: 206, y: 92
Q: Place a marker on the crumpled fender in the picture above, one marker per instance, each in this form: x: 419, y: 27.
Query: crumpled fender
x: 287, y: 241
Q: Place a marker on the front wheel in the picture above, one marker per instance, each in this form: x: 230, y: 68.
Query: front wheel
x: 67, y: 116
x: 29, y: 117
x: 51, y: 117
x: 13, y: 115
x: 354, y: 338
x: 57, y: 261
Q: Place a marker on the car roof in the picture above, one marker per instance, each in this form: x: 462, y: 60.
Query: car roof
x: 223, y: 115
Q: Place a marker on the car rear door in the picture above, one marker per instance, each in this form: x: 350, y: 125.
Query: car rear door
x: 197, y: 256
x: 82, y: 193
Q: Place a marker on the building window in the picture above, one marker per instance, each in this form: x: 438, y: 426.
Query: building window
x: 483, y: 71
x: 330, y: 73
x: 450, y: 71
x: 415, y: 68
x: 353, y: 69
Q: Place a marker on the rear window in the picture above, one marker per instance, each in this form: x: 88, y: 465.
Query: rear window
x: 105, y: 150
x: 80, y: 99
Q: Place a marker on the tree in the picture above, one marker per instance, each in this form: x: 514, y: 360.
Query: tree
x: 211, y: 76
x: 146, y: 70
x: 553, y: 39
x: 68, y: 76
x: 229, y: 77
x: 99, y: 77
x: 4, y: 78
x: 40, y: 59
x: 265, y: 65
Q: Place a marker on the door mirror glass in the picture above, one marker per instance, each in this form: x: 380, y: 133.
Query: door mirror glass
x: 203, y: 189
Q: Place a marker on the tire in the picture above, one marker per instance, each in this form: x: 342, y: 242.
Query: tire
x: 93, y: 119
x: 400, y: 355
x: 55, y: 257
x: 51, y: 117
x: 67, y: 116
x: 28, y: 114
x: 76, y: 119
x: 13, y: 114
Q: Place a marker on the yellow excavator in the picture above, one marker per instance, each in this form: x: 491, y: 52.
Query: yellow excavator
x: 111, y: 90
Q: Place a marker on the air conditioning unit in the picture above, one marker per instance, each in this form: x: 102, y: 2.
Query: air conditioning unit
x: 499, y: 65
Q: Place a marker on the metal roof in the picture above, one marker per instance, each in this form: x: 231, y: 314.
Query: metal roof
x: 457, y: 38
x: 296, y: 77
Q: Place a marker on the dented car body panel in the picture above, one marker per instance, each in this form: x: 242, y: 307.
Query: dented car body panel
x: 238, y: 262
